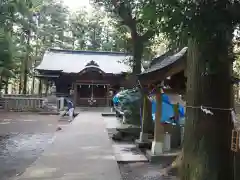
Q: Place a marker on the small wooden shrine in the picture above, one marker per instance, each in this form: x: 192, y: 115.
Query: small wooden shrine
x: 167, y: 73
x: 167, y: 70
x: 88, y: 76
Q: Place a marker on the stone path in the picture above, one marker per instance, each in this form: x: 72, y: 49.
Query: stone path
x: 81, y: 151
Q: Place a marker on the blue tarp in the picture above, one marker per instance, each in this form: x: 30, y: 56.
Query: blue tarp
x: 167, y: 110
x: 115, y: 100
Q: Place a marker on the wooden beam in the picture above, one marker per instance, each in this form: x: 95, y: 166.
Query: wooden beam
x: 157, y: 145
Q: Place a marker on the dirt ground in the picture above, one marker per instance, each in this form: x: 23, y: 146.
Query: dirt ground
x: 23, y: 137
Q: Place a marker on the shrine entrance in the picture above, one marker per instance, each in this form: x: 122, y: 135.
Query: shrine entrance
x: 91, y: 86
x: 92, y: 94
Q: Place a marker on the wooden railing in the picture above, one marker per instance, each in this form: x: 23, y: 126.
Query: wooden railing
x: 33, y: 104
x: 23, y: 95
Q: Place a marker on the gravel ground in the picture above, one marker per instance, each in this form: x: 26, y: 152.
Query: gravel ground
x: 23, y: 137
x: 138, y: 170
x: 143, y: 171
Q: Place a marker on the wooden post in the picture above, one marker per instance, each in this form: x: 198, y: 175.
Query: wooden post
x: 144, y: 130
x: 157, y: 144
x: 75, y: 94
x: 176, y: 112
x: 40, y: 87
x: 107, y: 96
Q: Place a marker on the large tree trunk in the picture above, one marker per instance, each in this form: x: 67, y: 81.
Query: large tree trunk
x: 6, y: 86
x: 33, y: 85
x: 25, y: 76
x: 40, y: 87
x: 137, y: 55
x: 34, y: 65
x: 0, y: 83
x: 20, y: 84
x: 207, y: 149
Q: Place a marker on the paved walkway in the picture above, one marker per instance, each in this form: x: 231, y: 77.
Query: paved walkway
x: 81, y: 151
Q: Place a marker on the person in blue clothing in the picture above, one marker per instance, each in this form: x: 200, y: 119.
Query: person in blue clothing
x: 70, y: 107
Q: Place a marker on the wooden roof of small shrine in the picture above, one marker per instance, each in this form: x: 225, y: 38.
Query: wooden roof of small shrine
x: 164, y: 66
x: 68, y: 61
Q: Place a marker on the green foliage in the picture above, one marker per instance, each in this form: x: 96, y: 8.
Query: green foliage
x: 6, y: 63
x: 204, y: 20
x: 140, y: 19
x: 34, y: 26
x: 130, y: 103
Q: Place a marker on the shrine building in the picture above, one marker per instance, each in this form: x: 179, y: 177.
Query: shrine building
x: 88, y: 76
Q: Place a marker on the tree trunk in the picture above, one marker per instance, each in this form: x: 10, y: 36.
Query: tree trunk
x: 34, y: 65
x: 33, y: 85
x: 40, y: 87
x: 6, y: 86
x: 25, y: 77
x: 207, y: 148
x: 20, y: 84
x: 137, y: 55
x: 0, y: 83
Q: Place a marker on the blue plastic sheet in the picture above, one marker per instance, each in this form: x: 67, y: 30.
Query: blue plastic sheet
x: 115, y: 100
x: 167, y: 110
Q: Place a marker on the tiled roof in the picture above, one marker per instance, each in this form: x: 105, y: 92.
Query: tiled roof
x: 164, y: 61
x: 69, y: 61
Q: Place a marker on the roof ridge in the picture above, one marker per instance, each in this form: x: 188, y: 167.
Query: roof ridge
x: 87, y: 52
x: 160, y: 58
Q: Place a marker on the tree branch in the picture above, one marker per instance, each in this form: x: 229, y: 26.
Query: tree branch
x: 148, y: 35
x: 126, y: 15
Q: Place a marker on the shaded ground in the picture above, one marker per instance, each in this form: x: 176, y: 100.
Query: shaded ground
x: 23, y: 137
x: 143, y: 171
x: 137, y: 170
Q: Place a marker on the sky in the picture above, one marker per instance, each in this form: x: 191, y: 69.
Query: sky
x: 75, y: 4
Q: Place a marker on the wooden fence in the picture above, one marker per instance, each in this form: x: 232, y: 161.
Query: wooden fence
x: 22, y: 96
x: 33, y: 104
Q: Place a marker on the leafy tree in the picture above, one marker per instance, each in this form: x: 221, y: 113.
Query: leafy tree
x: 6, y: 63
x: 37, y: 25
x: 207, y: 28
x: 140, y: 19
x: 78, y: 29
x: 7, y: 9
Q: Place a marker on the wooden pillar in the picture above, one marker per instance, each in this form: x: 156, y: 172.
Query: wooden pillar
x: 157, y: 144
x: 108, y: 96
x: 75, y: 94
x: 144, y: 112
x: 176, y: 111
x: 40, y: 87
x: 176, y: 136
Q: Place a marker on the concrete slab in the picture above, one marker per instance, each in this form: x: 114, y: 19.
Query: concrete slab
x: 81, y: 151
x: 127, y: 153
